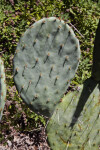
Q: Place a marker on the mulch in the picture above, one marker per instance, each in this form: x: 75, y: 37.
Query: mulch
x: 32, y: 140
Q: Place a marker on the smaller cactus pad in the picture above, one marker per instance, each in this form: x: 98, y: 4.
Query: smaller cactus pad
x: 2, y: 88
x: 45, y: 61
x: 96, y: 56
x: 75, y: 124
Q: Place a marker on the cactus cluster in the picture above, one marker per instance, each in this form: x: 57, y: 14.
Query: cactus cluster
x: 45, y: 61
x: 2, y: 88
x: 75, y: 123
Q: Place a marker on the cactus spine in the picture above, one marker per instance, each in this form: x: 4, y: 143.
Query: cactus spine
x: 2, y: 88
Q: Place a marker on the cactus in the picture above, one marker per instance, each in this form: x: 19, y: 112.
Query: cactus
x: 2, y: 88
x: 96, y: 56
x: 75, y: 123
x: 45, y: 61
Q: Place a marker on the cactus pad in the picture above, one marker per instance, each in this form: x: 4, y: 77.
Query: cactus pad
x: 2, y: 88
x: 75, y: 124
x: 45, y: 61
x: 96, y: 56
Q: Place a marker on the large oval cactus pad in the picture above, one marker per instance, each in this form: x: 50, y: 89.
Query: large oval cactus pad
x: 75, y: 124
x: 2, y: 88
x: 45, y: 61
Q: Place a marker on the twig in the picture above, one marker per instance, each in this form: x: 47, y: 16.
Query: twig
x: 76, y: 29
x: 2, y: 51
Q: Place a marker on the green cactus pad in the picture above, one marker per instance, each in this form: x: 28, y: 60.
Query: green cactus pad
x: 2, y: 88
x: 96, y: 56
x: 45, y: 61
x: 75, y: 124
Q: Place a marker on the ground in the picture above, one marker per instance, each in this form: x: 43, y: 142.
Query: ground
x: 34, y: 140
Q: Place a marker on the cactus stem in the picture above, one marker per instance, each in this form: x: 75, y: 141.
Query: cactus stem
x: 47, y: 45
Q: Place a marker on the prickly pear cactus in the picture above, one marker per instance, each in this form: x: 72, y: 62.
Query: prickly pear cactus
x: 75, y: 124
x: 2, y: 88
x: 96, y: 56
x: 45, y: 61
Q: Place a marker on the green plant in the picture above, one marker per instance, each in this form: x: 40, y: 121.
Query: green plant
x: 14, y: 20
x: 75, y: 123
x: 45, y: 61
x: 2, y: 88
